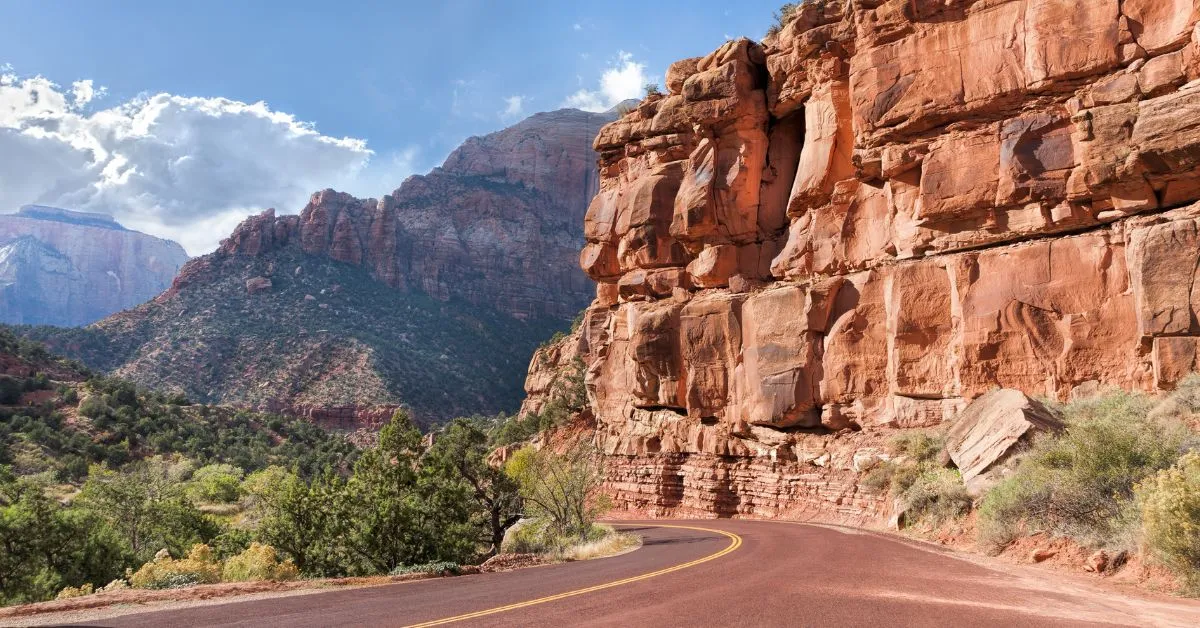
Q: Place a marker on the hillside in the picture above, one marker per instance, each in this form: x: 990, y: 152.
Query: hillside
x: 56, y: 419
x: 305, y: 335
x: 432, y: 297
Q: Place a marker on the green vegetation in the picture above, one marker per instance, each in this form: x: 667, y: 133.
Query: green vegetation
x: 325, y: 333
x: 1081, y: 484
x: 929, y: 493
x: 562, y: 490
x: 1170, y: 510
x: 651, y: 89
x: 1125, y: 475
x: 567, y: 397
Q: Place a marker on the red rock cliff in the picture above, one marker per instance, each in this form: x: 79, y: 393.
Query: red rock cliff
x: 498, y: 223
x: 875, y: 216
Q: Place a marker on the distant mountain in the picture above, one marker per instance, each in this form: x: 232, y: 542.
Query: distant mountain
x: 62, y: 267
x: 432, y: 297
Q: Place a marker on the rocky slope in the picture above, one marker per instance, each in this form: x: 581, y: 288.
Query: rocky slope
x: 60, y: 267
x: 500, y: 223
x: 876, y: 215
x: 431, y: 297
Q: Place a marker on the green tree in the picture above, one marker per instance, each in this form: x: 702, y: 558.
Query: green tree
x: 460, y: 454
x: 563, y: 488
x: 45, y: 546
x: 147, y: 505
x: 399, y: 516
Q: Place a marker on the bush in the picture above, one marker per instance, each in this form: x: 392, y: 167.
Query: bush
x: 539, y: 536
x: 165, y: 572
x: 217, y: 484
x: 70, y: 592
x: 438, y: 567
x: 258, y: 562
x: 651, y: 89
x: 1080, y: 483
x: 1170, y: 509
x: 782, y: 16
x: 928, y: 493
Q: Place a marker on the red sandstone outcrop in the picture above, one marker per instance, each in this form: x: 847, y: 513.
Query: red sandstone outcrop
x: 499, y: 223
x: 874, y: 217
x: 61, y: 267
x: 988, y: 429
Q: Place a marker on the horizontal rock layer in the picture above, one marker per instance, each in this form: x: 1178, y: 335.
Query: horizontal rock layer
x: 878, y: 214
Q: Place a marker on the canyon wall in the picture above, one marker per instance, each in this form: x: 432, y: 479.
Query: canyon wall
x: 500, y: 223
x: 61, y: 267
x: 874, y: 216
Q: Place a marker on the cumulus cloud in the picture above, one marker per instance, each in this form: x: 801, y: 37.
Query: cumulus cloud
x: 186, y: 168
x: 622, y: 81
x: 514, y: 107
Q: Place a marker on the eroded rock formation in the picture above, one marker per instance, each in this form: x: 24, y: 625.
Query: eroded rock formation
x: 62, y: 267
x: 498, y: 224
x: 875, y: 216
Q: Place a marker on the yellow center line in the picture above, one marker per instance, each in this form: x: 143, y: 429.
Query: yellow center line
x: 735, y: 542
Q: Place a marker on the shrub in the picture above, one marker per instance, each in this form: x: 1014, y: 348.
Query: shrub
x: 539, y: 536
x: 438, y: 567
x: 782, y: 16
x: 165, y: 572
x: 118, y: 584
x: 1170, y: 509
x: 935, y: 496
x: 1080, y: 483
x: 258, y: 562
x: 217, y: 484
x: 563, y: 489
x: 70, y: 592
x: 651, y: 89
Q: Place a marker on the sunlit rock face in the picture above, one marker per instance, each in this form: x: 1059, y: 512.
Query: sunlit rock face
x: 62, y: 267
x: 875, y: 216
x: 498, y: 224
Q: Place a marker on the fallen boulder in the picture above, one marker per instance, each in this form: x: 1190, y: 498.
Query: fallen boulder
x: 988, y: 429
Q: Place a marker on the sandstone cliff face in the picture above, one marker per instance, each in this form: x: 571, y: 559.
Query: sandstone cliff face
x: 879, y: 214
x: 499, y: 223
x: 59, y: 267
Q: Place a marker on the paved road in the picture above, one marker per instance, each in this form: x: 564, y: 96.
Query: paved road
x: 714, y: 573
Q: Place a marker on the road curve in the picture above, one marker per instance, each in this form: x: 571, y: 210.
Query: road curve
x: 714, y: 573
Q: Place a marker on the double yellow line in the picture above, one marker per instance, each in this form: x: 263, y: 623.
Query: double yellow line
x: 735, y: 542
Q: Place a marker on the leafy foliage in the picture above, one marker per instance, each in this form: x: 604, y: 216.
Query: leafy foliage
x: 258, y: 562
x: 1170, y: 512
x: 928, y: 493
x: 1081, y: 484
x: 45, y: 547
x: 164, y: 572
x: 562, y: 489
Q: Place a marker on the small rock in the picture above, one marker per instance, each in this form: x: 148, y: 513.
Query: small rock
x: 254, y: 285
x: 1096, y: 563
x: 1042, y: 554
x: 309, y: 297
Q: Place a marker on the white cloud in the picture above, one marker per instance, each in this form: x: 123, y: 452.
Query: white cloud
x: 577, y: 26
x: 622, y: 81
x: 180, y: 167
x: 514, y: 107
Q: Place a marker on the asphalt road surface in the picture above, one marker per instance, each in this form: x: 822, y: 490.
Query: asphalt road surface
x: 715, y: 573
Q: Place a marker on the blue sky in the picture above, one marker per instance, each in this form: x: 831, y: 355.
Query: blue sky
x: 355, y: 96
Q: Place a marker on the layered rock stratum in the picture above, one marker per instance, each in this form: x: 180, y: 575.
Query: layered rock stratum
x: 62, y: 267
x: 873, y: 217
x: 432, y: 297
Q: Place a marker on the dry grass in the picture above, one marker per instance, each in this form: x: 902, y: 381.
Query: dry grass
x: 610, y: 544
